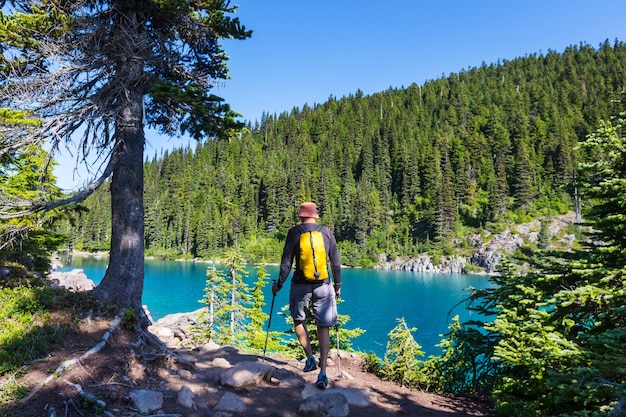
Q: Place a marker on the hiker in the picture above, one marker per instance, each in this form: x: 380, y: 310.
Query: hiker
x: 311, y: 288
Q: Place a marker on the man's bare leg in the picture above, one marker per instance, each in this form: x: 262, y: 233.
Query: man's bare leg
x: 303, y: 337
x: 324, y: 337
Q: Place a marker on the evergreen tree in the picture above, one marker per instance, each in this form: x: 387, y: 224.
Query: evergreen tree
x: 238, y: 310
x: 26, y: 174
x: 391, y: 172
x: 70, y: 62
x: 558, y: 330
x: 401, y: 363
x: 543, y: 239
x: 465, y: 366
x: 256, y: 335
x: 214, y: 290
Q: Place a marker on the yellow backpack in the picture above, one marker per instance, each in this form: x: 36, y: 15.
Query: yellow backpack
x: 312, y: 260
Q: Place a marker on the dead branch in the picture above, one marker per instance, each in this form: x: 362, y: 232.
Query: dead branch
x: 30, y: 207
x: 87, y: 395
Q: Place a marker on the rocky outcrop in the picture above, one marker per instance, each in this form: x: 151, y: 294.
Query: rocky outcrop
x: 177, y: 329
x: 75, y: 280
x: 245, y: 374
x: 489, y: 254
x: 424, y: 263
x: 488, y: 249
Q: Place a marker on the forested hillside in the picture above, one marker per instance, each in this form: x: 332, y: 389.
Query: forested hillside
x: 402, y: 171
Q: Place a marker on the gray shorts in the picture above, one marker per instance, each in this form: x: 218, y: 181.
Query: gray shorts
x: 321, y: 297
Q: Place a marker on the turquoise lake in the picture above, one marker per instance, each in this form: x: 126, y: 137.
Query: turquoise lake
x: 373, y: 299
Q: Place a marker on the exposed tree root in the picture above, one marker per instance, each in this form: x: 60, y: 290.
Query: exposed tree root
x: 72, y: 362
x: 87, y: 395
x: 157, y: 350
x: 161, y: 351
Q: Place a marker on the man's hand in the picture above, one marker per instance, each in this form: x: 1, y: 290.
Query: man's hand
x: 275, y: 288
x: 337, y: 292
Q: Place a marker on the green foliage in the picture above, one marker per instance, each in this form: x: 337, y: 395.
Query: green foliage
x: 214, y: 290
x: 26, y: 174
x: 466, y: 365
x: 229, y: 304
x: 129, y: 319
x: 257, y: 250
x: 557, y: 335
x: 257, y: 335
x: 401, y: 363
x: 345, y: 335
x: 543, y: 240
x: 373, y: 364
x: 11, y: 389
x: 33, y: 318
x: 108, y: 99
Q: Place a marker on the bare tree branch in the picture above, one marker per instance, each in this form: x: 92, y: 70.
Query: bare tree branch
x: 13, y: 207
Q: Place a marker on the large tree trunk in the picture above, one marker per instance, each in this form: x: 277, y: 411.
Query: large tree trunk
x: 122, y: 284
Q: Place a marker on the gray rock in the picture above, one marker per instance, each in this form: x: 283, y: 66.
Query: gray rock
x: 174, y: 329
x: 208, y: 347
x: 221, y: 363
x: 230, y: 402
x: 147, y: 401
x: 75, y: 280
x: 246, y: 374
x: 291, y: 381
x: 355, y: 396
x: 185, y: 398
x: 332, y: 404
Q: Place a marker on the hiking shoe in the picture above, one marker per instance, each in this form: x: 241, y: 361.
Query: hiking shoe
x: 322, y: 381
x: 310, y: 364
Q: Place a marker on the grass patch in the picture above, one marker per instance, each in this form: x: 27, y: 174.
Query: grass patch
x: 12, y: 389
x: 34, y: 318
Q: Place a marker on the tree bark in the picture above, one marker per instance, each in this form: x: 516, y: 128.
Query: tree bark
x: 122, y: 284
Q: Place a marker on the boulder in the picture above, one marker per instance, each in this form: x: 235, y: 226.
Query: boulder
x: 146, y: 401
x: 247, y: 373
x: 75, y: 280
x: 331, y: 404
x: 230, y: 402
x: 185, y: 398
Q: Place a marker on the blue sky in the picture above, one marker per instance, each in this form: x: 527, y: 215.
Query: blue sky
x: 306, y: 51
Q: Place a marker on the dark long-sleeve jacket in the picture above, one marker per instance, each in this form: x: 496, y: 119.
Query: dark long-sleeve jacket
x: 292, y: 246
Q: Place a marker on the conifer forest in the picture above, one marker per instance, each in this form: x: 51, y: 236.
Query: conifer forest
x: 400, y: 172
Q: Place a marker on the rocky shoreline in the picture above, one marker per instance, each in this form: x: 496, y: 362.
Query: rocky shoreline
x: 487, y: 249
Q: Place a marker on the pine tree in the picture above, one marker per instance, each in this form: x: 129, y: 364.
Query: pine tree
x: 238, y: 309
x: 559, y: 330
x: 401, y: 363
x: 69, y: 61
x: 255, y: 338
x: 214, y: 290
x: 26, y: 174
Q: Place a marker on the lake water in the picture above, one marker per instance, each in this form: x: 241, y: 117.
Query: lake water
x: 373, y: 299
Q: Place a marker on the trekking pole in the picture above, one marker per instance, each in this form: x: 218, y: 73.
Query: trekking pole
x: 339, y: 375
x: 269, y: 321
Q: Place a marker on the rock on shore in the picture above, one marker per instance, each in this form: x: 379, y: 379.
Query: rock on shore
x: 487, y: 249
